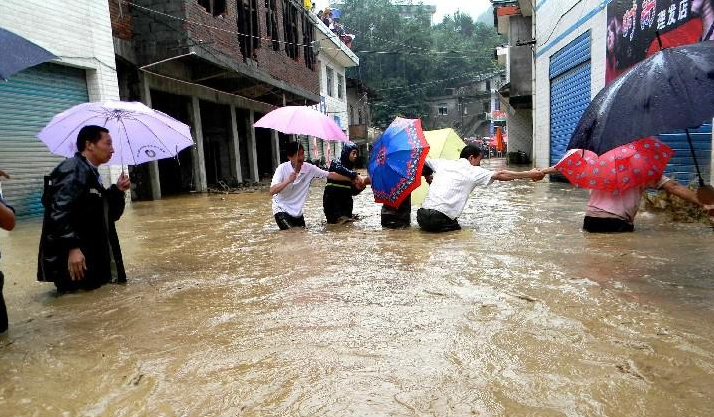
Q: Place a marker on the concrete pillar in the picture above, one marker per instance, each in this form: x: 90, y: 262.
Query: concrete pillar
x: 235, y: 147
x: 275, y: 148
x: 252, y: 150
x: 199, y: 161
x: 153, y: 166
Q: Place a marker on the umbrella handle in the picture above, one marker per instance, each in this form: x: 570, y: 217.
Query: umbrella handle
x: 694, y: 156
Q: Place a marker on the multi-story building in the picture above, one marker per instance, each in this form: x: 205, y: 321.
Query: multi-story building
x: 465, y: 107
x: 514, y: 22
x: 582, y: 45
x: 333, y: 58
x: 78, y: 32
x: 217, y: 66
x: 359, y: 114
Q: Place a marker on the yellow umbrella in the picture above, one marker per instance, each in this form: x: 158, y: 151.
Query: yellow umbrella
x: 445, y: 144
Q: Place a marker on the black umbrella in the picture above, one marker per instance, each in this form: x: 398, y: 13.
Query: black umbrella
x: 17, y: 53
x: 673, y: 89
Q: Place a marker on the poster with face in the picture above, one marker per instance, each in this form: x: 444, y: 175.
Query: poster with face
x: 632, y: 27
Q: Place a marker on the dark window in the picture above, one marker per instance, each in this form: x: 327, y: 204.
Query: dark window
x: 271, y: 22
x: 290, y: 29
x: 340, y: 86
x: 308, y: 38
x: 443, y: 109
x: 486, y: 106
x: 330, y: 80
x: 488, y: 85
x: 214, y: 7
x: 248, y: 30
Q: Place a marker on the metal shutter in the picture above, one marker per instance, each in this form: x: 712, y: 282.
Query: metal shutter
x: 569, y: 92
x: 681, y: 166
x: 28, y: 101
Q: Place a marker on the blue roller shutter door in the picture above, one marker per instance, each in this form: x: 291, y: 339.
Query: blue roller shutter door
x: 28, y: 101
x: 569, y: 92
x: 681, y: 166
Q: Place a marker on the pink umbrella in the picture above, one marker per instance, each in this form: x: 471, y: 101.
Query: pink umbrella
x: 631, y: 165
x: 302, y: 120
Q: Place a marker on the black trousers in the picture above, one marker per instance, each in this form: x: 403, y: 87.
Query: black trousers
x: 286, y: 221
x: 3, y: 309
x: 606, y: 225
x: 336, y: 203
x: 435, y: 221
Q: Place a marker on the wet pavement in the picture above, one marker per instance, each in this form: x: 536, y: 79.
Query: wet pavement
x: 520, y: 313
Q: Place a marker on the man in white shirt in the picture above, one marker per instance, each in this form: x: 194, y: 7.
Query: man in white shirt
x: 291, y: 184
x: 453, y: 182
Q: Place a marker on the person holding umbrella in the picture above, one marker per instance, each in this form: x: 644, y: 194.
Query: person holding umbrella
x: 617, y: 179
x: 79, y: 246
x: 291, y: 184
x: 7, y: 222
x: 453, y: 183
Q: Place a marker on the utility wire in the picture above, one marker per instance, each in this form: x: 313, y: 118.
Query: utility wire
x: 333, y: 36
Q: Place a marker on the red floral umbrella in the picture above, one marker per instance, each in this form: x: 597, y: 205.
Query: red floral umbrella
x: 630, y: 165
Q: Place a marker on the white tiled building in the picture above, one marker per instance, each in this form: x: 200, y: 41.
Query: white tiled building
x: 571, y: 62
x: 333, y: 59
x: 79, y: 33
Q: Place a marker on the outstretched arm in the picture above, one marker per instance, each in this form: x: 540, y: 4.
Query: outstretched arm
x: 7, y: 217
x: 675, y: 188
x: 505, y: 175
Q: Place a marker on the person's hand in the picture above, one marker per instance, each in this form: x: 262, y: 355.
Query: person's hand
x: 709, y: 208
x: 291, y: 178
x: 76, y: 264
x: 3, y: 174
x: 359, y: 183
x: 537, y: 174
x: 123, y: 182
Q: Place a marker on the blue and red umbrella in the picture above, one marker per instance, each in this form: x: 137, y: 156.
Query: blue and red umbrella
x: 396, y: 161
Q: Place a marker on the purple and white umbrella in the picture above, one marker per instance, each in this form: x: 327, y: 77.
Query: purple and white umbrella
x: 139, y: 134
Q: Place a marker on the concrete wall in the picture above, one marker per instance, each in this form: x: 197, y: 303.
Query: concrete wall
x: 335, y: 106
x: 520, y: 130
x: 552, y: 34
x: 79, y: 32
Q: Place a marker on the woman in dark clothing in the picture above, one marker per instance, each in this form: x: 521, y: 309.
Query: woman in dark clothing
x: 79, y: 247
x: 337, y: 199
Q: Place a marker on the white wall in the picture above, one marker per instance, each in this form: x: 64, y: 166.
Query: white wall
x: 549, y: 27
x: 77, y: 31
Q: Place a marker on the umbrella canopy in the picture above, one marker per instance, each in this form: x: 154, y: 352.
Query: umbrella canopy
x: 302, y: 120
x: 668, y: 91
x: 635, y: 164
x: 396, y: 161
x: 444, y: 144
x: 17, y: 53
x: 139, y: 133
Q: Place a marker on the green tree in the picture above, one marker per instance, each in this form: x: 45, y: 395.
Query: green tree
x: 406, y: 59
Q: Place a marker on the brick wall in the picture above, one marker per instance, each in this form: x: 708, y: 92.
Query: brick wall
x: 122, y: 22
x: 221, y: 32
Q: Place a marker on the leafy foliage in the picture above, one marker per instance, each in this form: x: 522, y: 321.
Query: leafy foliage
x: 407, y: 59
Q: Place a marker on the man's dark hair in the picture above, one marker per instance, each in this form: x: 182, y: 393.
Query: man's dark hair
x: 470, y: 150
x: 293, y: 147
x: 90, y: 133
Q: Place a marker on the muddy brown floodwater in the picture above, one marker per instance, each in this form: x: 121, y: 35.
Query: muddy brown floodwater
x: 518, y: 314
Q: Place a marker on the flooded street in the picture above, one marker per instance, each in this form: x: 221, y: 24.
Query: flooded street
x: 519, y: 313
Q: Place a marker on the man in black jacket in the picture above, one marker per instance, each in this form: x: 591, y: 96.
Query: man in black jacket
x: 7, y: 222
x: 79, y: 247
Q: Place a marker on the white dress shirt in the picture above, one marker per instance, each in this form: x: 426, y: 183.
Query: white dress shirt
x: 291, y: 199
x: 452, y: 184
